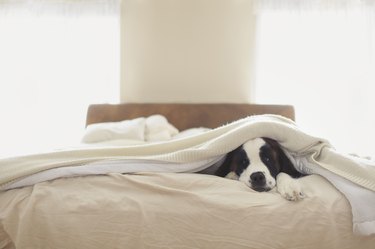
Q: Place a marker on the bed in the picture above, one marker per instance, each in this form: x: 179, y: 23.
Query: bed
x: 147, y: 208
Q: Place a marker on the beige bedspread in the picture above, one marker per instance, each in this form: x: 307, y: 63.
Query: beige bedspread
x: 173, y: 210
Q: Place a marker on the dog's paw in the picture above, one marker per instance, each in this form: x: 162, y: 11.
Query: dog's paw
x: 232, y: 175
x: 289, y: 188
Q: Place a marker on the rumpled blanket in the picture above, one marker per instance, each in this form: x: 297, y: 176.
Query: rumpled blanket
x: 353, y: 176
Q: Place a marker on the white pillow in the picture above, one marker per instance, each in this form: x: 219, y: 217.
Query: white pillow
x: 128, y: 129
x: 159, y: 129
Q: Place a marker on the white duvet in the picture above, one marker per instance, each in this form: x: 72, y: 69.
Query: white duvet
x: 354, y: 177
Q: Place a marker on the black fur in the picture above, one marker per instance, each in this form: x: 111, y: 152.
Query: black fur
x: 285, y: 164
x: 271, y: 155
x: 236, y: 161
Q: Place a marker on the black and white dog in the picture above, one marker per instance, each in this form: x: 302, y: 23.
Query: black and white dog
x: 262, y: 165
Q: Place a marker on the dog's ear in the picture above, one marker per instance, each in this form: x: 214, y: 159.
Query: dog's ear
x: 228, y: 164
x: 286, y: 165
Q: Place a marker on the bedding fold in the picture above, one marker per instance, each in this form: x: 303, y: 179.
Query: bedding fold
x: 311, y: 155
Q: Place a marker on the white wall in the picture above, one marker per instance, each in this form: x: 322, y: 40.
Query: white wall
x: 186, y: 50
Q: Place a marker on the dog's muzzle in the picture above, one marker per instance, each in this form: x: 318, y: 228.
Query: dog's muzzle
x: 258, y: 182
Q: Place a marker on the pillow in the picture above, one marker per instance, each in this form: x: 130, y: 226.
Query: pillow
x: 159, y: 129
x: 128, y: 129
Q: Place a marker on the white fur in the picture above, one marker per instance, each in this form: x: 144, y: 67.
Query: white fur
x: 232, y: 175
x: 289, y: 187
x: 252, y: 148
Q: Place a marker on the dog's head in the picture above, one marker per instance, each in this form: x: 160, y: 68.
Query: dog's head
x: 257, y: 163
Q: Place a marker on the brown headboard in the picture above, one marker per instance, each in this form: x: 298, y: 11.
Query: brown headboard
x: 184, y: 116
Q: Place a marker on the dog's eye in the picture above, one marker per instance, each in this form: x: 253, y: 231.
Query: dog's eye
x: 245, y: 162
x: 266, y: 159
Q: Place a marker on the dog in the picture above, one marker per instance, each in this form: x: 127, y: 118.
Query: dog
x: 262, y: 165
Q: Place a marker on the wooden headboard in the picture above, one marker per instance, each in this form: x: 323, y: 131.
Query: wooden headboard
x: 184, y: 116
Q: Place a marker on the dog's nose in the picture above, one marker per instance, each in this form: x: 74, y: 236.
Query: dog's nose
x: 258, y: 178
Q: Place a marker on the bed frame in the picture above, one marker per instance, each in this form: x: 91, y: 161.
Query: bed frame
x: 184, y: 116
